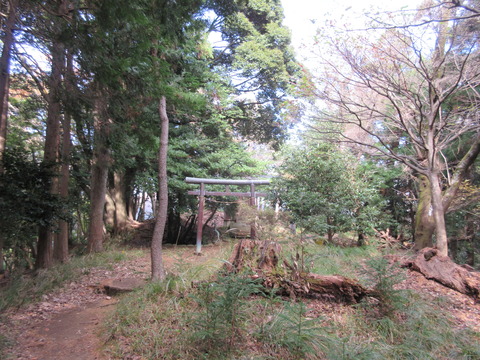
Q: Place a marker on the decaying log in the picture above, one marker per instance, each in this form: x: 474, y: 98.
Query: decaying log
x: 444, y: 271
x: 262, y: 258
x: 334, y: 288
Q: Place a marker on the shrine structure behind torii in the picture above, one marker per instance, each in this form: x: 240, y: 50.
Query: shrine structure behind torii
x: 252, y: 194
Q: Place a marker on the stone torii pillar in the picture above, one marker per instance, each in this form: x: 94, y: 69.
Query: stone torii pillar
x: 252, y: 194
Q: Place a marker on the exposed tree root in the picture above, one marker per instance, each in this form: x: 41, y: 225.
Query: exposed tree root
x: 444, y: 271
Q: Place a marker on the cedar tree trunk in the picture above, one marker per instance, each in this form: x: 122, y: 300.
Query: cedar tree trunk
x: 8, y: 40
x: 158, y: 272
x: 51, y: 149
x: 109, y: 216
x: 60, y: 250
x: 121, y: 217
x: 100, y: 164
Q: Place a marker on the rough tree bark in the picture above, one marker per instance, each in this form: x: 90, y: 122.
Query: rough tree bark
x: 158, y: 272
x: 439, y: 215
x: 109, y: 216
x: 51, y: 148
x: 60, y: 251
x: 424, y: 218
x: 100, y: 165
x: 8, y: 41
x: 424, y: 222
x: 121, y: 217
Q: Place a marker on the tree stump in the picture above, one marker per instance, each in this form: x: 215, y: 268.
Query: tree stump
x: 444, y: 271
x: 259, y: 256
x: 262, y: 258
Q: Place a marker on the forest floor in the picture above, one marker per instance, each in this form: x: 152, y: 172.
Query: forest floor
x: 68, y: 323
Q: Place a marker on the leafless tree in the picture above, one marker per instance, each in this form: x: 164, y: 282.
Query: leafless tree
x: 408, y: 95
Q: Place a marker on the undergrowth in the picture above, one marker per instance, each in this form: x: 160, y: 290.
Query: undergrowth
x: 231, y: 317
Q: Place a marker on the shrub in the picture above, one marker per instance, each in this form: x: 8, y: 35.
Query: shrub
x: 219, y: 321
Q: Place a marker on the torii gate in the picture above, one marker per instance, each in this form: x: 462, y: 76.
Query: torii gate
x: 201, y: 193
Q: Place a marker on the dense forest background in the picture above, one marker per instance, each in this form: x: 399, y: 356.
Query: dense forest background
x: 390, y: 118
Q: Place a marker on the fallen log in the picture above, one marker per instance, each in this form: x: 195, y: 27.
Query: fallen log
x: 261, y: 258
x: 444, y: 271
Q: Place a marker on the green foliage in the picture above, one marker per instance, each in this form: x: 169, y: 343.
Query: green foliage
x: 290, y: 328
x: 382, y: 277
x: 25, y: 203
x: 327, y: 191
x: 259, y: 55
x: 219, y: 323
x: 26, y: 123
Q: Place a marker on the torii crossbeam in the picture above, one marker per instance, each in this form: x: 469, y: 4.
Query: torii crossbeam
x: 252, y: 194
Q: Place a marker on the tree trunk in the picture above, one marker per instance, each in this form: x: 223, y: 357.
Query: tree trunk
x: 361, y: 239
x: 109, y: 216
x: 153, y: 201
x: 60, y: 251
x: 158, y: 273
x: 8, y: 40
x: 141, y: 208
x: 441, y: 240
x: 128, y: 194
x: 330, y: 231
x: 61, y: 240
x: 51, y: 149
x: 121, y: 218
x: 424, y: 221
x: 100, y: 165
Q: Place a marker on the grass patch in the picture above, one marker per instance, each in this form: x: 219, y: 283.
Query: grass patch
x: 423, y: 332
x: 5, y: 343
x: 332, y: 260
x: 221, y: 319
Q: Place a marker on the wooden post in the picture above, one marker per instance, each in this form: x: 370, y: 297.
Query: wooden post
x: 201, y: 206
x: 253, y: 231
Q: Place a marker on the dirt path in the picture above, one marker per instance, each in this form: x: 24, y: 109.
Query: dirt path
x: 67, y: 324
x: 70, y: 334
